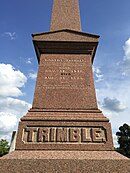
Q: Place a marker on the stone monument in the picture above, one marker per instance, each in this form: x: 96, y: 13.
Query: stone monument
x: 64, y: 131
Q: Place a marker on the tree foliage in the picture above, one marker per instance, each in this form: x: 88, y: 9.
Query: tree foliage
x: 123, y: 137
x: 4, y: 147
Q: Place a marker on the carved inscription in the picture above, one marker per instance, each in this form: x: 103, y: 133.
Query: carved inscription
x: 64, y: 135
x: 77, y: 60
x: 65, y: 72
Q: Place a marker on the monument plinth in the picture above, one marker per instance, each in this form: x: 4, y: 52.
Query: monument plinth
x: 64, y: 131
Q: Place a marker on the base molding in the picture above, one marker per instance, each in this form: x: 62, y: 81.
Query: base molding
x: 65, y: 162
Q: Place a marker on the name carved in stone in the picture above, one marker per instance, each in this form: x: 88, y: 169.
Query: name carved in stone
x: 64, y: 135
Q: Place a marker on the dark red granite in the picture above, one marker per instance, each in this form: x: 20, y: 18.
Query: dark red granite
x: 65, y: 15
x: 64, y: 131
x: 65, y: 162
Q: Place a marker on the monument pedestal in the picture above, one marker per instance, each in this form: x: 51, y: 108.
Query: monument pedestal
x: 65, y: 162
x: 85, y: 130
x: 64, y: 141
x: 64, y: 132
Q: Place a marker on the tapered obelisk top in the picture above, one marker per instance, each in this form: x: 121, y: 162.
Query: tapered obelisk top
x: 65, y: 15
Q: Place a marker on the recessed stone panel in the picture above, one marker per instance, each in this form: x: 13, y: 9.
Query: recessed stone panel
x: 53, y: 135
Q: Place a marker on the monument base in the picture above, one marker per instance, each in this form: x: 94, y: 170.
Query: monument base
x: 64, y: 162
x: 64, y: 130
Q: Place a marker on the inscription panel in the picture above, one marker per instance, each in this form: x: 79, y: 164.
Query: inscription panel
x: 65, y: 82
x: 53, y: 135
x: 67, y: 72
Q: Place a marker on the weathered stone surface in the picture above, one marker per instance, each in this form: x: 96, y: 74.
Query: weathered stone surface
x: 65, y: 82
x: 65, y: 162
x: 50, y: 134
x: 65, y: 35
x: 65, y: 15
x: 65, y: 131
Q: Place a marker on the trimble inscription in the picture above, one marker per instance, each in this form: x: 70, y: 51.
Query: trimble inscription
x: 64, y: 135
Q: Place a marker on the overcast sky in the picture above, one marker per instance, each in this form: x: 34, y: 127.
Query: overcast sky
x: 18, y: 62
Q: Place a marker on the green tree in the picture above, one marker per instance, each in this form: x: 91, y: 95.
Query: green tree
x: 4, y: 147
x: 123, y: 137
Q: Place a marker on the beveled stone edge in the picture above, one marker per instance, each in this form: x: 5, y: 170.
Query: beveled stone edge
x: 66, y: 110
x: 79, y: 155
x: 78, y: 115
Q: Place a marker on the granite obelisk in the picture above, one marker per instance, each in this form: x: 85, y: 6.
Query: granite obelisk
x: 64, y: 131
x: 64, y: 114
x: 65, y: 17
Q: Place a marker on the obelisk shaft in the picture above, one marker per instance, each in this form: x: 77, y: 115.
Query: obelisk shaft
x: 65, y: 15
